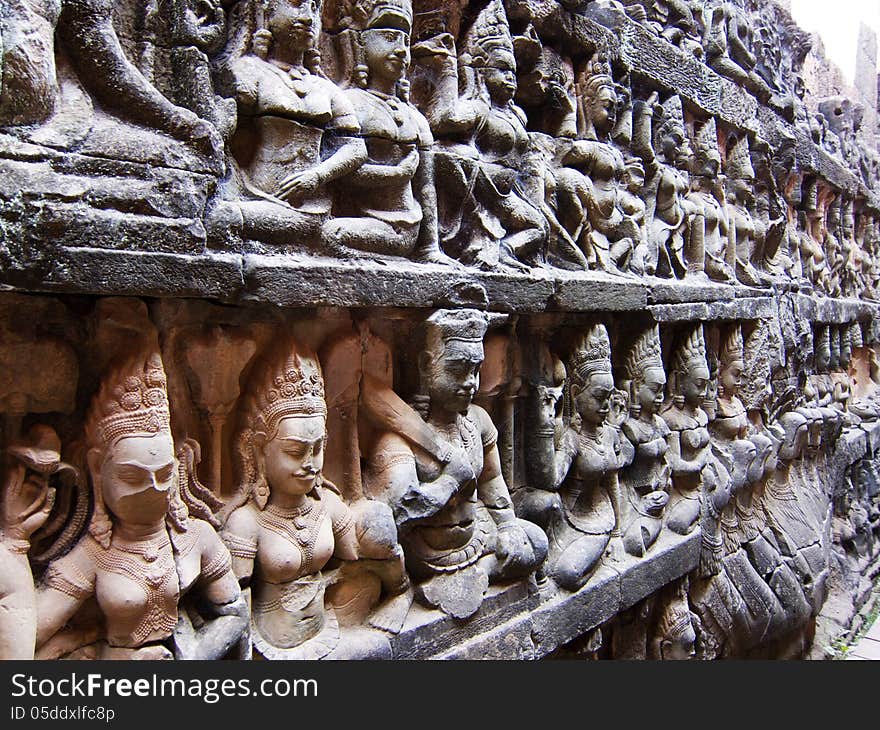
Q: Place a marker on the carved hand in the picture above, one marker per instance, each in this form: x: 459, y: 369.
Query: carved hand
x: 615, y: 550
x: 513, y: 547
x: 185, y: 637
x: 618, y: 405
x: 459, y: 467
x: 298, y: 185
x: 410, y: 163
x: 440, y: 49
x: 201, y: 134
x: 26, y: 504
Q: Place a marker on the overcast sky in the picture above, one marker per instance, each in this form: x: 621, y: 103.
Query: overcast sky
x: 837, y: 22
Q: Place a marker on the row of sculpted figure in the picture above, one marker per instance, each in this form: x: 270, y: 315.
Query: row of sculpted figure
x: 440, y: 135
x: 123, y: 552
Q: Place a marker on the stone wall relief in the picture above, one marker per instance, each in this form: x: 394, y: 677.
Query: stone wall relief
x: 436, y: 463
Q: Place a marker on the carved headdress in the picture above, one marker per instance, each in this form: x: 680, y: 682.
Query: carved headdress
x: 367, y: 14
x: 855, y: 336
x: 595, y: 75
x: 288, y: 384
x: 834, y: 338
x: 691, y: 352
x: 671, y: 121
x: 739, y: 161
x: 706, y: 145
x: 675, y: 622
x: 591, y: 354
x: 466, y: 325
x: 489, y: 32
x: 731, y: 347
x: 133, y: 402
x: 822, y: 345
x: 644, y: 354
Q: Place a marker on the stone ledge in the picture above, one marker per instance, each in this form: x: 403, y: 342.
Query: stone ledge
x: 301, y: 281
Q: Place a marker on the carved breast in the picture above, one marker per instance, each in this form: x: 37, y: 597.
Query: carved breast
x: 138, y: 593
x: 289, y: 548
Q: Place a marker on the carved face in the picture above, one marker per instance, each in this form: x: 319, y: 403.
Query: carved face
x: 136, y: 478
x: 731, y: 378
x: 593, y: 400
x: 454, y: 376
x: 681, y: 647
x: 293, y: 22
x: 500, y: 76
x: 742, y: 189
x: 693, y: 384
x: 823, y: 358
x: 295, y: 456
x: 603, y: 110
x: 386, y: 52
x: 710, y: 164
x: 650, y: 391
x: 674, y: 146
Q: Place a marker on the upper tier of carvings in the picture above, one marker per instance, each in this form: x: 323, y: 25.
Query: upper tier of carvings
x: 473, y: 135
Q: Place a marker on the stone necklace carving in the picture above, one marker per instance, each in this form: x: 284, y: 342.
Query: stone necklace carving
x: 299, y: 526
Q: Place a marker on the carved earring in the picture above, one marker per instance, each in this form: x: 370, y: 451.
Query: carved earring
x: 261, y: 493
x: 101, y: 526
x: 362, y: 75
x: 678, y: 400
x: 261, y: 485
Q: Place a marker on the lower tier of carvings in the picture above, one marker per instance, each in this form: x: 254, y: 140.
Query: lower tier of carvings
x: 189, y: 480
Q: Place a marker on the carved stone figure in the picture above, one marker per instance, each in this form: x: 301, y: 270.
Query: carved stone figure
x: 674, y: 636
x: 296, y: 130
x: 441, y: 474
x: 710, y: 242
x: 150, y: 546
x: 666, y: 153
x: 727, y: 43
x: 590, y: 516
x: 646, y: 481
x: 741, y: 179
x: 492, y: 212
x: 29, y: 90
x: 689, y: 442
x: 388, y: 205
x: 589, y: 205
x: 293, y: 522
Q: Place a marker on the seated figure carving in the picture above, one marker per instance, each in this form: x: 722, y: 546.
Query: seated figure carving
x: 150, y: 546
x: 293, y: 522
x: 710, y: 242
x: 585, y: 517
x: 492, y: 215
x: 660, y: 139
x: 741, y: 182
x: 689, y: 441
x: 388, y: 204
x: 588, y: 183
x: 646, y: 481
x: 296, y: 130
x: 440, y: 471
